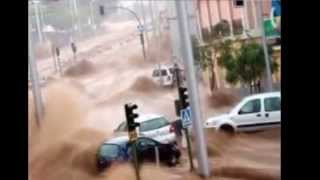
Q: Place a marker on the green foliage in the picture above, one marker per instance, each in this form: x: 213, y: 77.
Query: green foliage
x: 243, y: 65
x: 206, y: 35
x: 221, y: 29
x: 202, y: 54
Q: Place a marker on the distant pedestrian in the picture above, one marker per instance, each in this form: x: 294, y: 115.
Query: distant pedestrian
x: 57, y: 51
x: 259, y: 86
x: 74, y: 50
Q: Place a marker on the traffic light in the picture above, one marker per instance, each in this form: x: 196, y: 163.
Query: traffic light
x: 101, y: 10
x: 131, y: 116
x: 183, y: 97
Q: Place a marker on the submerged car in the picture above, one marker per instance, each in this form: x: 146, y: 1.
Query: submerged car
x: 119, y: 150
x: 255, y: 112
x: 154, y: 126
x: 114, y: 150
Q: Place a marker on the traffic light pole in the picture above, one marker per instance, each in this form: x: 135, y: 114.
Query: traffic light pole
x: 187, y: 54
x: 186, y: 131
x: 130, y: 116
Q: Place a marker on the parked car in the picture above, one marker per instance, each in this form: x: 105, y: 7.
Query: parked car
x: 119, y: 150
x: 255, y: 112
x: 153, y: 126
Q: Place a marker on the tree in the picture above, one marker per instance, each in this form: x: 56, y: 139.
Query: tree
x: 221, y: 29
x: 203, y: 58
x: 246, y: 64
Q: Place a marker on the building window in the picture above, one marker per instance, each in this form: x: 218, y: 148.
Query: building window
x: 238, y: 3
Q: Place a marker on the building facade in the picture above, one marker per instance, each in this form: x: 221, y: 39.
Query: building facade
x: 243, y: 12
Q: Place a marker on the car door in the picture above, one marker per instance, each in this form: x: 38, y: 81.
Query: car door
x: 249, y: 115
x: 272, y: 110
x: 146, y: 149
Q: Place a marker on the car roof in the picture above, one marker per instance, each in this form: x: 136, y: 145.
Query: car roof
x: 146, y: 117
x: 117, y: 140
x: 263, y: 95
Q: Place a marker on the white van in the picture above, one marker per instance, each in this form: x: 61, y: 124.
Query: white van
x: 165, y: 75
x: 255, y: 112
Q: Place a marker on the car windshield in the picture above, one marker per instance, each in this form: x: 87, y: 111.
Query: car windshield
x: 171, y: 70
x: 157, y: 72
x: 153, y: 124
x: 122, y: 127
x: 109, y: 150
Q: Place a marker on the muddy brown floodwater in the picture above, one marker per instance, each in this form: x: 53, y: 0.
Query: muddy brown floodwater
x: 82, y: 111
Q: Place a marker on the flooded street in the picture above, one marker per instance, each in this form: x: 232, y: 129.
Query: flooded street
x: 82, y: 111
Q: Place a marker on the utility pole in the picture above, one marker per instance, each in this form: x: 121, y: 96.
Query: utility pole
x: 144, y: 21
x: 42, y: 21
x: 152, y: 18
x: 36, y: 10
x: 76, y: 14
x: 36, y: 91
x: 231, y: 18
x: 187, y: 54
x: 92, y: 16
x: 265, y: 48
x: 198, y: 19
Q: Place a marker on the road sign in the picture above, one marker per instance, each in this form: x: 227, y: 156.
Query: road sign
x: 185, y: 115
x: 140, y: 28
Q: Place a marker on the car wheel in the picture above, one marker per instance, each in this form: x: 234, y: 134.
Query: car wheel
x: 173, y: 161
x: 227, y: 129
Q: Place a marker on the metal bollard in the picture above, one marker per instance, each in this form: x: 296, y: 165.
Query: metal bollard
x: 156, y: 149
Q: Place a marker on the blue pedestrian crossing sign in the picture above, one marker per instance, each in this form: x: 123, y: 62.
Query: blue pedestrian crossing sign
x: 185, y: 115
x: 140, y: 28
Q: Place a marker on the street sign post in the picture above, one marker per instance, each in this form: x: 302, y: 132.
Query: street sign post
x: 140, y: 28
x: 185, y: 115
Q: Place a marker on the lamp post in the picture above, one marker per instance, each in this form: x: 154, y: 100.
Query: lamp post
x: 139, y: 27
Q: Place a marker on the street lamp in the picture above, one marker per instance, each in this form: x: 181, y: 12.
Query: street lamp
x: 140, y: 27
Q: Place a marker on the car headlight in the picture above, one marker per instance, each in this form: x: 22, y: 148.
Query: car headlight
x: 211, y: 123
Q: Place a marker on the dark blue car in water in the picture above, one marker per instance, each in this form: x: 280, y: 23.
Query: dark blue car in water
x: 118, y: 150
x: 112, y: 150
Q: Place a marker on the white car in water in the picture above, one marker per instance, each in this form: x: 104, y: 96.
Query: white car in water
x: 153, y: 126
x: 163, y: 75
x: 255, y: 112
